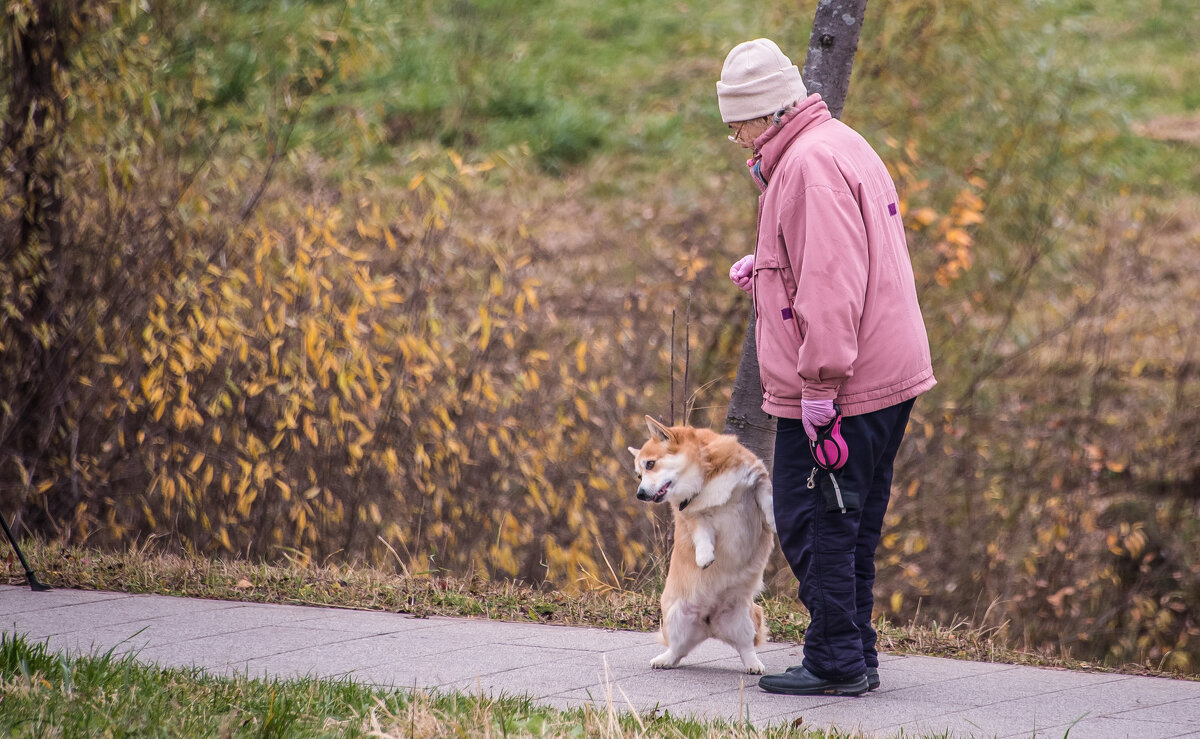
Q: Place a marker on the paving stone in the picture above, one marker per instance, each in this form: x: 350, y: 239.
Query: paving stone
x: 667, y: 687
x: 990, y: 687
x: 97, y: 614
x: 586, y: 639
x: 443, y: 667
x: 365, y: 622
x: 876, y: 713
x: 536, y: 681
x: 84, y: 643
x: 334, y: 659
x: 1111, y: 728
x: 1183, y: 712
x: 762, y: 708
x: 15, y: 599
x: 776, y: 657
x: 237, y: 647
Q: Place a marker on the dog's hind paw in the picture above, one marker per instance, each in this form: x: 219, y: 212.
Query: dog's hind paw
x: 752, y: 663
x: 664, y: 661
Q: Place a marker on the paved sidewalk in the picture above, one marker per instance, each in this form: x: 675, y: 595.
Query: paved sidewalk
x: 567, y: 667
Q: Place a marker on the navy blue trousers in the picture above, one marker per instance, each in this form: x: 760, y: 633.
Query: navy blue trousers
x: 832, y: 554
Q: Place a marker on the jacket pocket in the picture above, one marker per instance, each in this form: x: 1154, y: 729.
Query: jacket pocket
x: 777, y: 329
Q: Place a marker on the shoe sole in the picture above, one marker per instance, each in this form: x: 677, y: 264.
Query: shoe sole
x: 852, y: 691
x: 871, y: 684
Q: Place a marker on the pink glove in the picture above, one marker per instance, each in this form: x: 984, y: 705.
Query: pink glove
x: 814, y: 414
x: 742, y: 274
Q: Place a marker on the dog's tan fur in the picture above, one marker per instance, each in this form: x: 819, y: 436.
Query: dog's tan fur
x: 720, y: 494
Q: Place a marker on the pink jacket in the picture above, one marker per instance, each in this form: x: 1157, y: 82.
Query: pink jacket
x: 834, y: 295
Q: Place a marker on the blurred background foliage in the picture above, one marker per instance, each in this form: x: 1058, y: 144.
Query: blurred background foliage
x: 396, y: 282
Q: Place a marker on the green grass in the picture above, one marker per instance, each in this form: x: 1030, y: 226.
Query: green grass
x: 572, y: 80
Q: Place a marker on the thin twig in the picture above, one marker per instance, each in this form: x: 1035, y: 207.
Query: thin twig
x: 672, y: 423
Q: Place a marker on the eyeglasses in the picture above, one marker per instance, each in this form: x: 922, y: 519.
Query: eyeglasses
x: 737, y: 132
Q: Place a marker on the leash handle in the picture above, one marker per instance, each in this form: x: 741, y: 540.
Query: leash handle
x: 829, y: 450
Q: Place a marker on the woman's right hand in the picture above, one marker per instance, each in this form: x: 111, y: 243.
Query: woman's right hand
x: 742, y: 274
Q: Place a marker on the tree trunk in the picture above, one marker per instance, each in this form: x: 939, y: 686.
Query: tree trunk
x: 36, y: 37
x: 754, y: 428
x: 831, y: 49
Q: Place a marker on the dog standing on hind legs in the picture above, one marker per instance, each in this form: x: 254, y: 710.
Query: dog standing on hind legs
x: 720, y: 493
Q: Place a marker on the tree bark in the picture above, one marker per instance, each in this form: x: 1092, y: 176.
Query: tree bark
x: 831, y: 49
x: 746, y: 419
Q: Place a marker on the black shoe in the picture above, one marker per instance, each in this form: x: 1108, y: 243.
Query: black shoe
x: 803, y: 682
x: 872, y: 676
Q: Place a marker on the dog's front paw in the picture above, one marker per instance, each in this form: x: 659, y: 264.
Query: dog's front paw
x: 703, y: 561
x: 664, y: 661
x: 755, y: 668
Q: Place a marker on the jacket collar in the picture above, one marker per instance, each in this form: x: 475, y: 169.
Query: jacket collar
x: 769, y: 147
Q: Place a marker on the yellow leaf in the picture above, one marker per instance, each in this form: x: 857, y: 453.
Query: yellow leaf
x: 959, y: 237
x: 581, y: 357
x: 485, y: 327
x: 925, y: 216
x: 970, y: 218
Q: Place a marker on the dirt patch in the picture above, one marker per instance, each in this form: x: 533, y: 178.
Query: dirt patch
x: 1184, y: 128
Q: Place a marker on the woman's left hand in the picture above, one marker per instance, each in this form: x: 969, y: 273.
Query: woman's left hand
x: 815, y: 414
x: 742, y: 274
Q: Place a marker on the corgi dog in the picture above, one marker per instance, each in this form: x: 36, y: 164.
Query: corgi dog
x: 720, y: 493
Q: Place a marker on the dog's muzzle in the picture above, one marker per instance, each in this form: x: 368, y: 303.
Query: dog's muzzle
x: 656, y: 496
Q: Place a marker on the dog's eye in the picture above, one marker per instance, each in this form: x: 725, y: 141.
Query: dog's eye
x: 649, y: 464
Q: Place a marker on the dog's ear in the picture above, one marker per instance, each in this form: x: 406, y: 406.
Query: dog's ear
x: 634, y: 451
x: 657, y: 430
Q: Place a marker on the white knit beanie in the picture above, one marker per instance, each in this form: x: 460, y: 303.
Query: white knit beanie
x: 757, y: 80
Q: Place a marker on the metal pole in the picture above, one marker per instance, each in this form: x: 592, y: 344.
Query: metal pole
x: 33, y: 581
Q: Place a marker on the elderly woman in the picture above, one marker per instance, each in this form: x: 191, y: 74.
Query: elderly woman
x: 840, y: 336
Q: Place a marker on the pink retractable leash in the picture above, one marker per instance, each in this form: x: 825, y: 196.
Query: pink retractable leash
x: 829, y: 450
